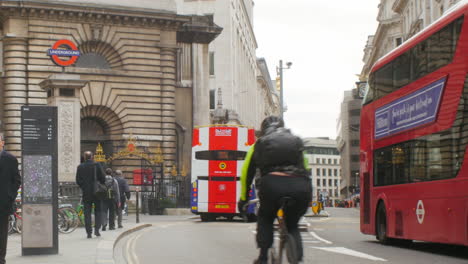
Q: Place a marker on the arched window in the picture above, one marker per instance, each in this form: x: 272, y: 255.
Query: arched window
x: 98, y: 55
x: 92, y: 60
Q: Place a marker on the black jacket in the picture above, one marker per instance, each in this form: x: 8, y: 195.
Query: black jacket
x: 10, y: 181
x: 85, y: 178
x: 281, y: 151
x: 124, y: 189
x: 276, y: 151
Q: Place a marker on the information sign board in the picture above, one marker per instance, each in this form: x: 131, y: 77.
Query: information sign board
x: 40, y: 180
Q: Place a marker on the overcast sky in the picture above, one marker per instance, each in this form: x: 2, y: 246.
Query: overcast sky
x: 324, y: 39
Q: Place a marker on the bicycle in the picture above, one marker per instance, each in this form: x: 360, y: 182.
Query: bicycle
x: 67, y: 217
x: 287, y: 242
x: 15, y: 221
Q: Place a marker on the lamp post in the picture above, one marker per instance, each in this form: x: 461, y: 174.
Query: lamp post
x: 279, y: 70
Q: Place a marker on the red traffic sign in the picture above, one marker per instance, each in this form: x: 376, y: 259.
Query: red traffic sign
x: 55, y: 53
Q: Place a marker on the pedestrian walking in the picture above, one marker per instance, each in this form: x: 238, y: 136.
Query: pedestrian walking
x: 10, y: 181
x: 88, y: 174
x: 124, y: 192
x: 111, y: 202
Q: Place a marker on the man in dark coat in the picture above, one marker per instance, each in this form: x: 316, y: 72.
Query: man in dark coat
x: 10, y: 181
x: 86, y: 175
x: 124, y: 192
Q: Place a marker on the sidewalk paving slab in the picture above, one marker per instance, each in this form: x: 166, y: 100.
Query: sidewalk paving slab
x: 76, y: 248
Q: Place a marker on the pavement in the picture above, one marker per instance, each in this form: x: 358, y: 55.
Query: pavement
x: 75, y: 248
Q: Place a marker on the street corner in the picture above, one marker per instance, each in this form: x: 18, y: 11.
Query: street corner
x: 131, y: 230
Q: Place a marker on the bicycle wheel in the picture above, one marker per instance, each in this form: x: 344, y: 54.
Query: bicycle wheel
x: 62, y: 222
x: 291, y: 249
x: 71, y: 218
x: 18, y: 222
x: 11, y: 224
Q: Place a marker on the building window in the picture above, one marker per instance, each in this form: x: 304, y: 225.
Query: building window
x: 329, y: 172
x: 318, y: 172
x: 355, y: 112
x: 317, y: 160
x: 324, y: 172
x: 336, y: 183
x: 398, y: 41
x: 335, y: 172
x: 355, y: 143
x: 329, y: 161
x: 355, y: 158
x: 324, y: 182
x: 329, y: 182
x: 212, y: 99
x: 212, y: 63
x: 335, y: 161
x: 318, y: 182
x: 324, y: 161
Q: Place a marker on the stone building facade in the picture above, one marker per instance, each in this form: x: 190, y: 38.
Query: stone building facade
x: 347, y: 142
x: 143, y: 64
x: 233, y: 62
x: 324, y: 162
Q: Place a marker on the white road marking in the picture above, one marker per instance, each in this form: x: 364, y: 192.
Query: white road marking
x: 310, y: 241
x: 350, y: 252
x: 131, y: 250
x: 319, y: 238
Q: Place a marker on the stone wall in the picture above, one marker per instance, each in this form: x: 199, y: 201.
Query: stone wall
x: 135, y: 95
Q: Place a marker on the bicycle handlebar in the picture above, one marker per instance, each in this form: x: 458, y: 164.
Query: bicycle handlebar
x: 253, y: 201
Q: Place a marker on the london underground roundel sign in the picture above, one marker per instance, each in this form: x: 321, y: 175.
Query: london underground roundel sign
x: 71, y: 51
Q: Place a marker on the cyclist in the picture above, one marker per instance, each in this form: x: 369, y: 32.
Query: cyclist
x: 278, y: 154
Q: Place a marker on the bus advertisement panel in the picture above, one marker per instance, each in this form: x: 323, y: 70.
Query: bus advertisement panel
x: 218, y: 154
x: 414, y: 136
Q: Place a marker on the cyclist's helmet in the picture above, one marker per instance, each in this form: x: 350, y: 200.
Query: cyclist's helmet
x: 271, y: 123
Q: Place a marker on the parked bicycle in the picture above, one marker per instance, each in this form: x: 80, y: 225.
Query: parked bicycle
x: 70, y: 218
x: 15, y: 220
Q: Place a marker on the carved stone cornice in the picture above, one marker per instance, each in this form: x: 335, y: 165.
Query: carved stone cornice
x: 101, y: 15
x: 399, y: 6
x: 201, y: 29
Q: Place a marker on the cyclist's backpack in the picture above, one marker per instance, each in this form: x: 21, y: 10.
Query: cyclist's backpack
x: 281, y: 150
x: 109, y: 185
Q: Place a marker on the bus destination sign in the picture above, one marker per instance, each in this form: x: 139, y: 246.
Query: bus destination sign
x: 415, y: 109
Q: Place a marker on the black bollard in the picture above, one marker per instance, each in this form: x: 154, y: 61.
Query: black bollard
x: 137, y: 207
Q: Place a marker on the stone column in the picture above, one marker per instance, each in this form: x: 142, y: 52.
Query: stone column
x: 63, y: 91
x: 201, y: 88
x: 15, y: 91
x: 168, y: 82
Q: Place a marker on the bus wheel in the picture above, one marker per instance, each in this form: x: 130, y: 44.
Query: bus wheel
x: 381, y: 225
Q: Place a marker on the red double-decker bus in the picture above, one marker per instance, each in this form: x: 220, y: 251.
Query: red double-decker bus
x: 414, y: 135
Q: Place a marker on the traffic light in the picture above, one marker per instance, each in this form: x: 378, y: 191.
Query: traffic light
x: 278, y: 83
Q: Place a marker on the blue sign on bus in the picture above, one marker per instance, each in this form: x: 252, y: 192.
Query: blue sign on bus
x: 413, y: 110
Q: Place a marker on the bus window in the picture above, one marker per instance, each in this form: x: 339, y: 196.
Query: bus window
x: 220, y: 155
x: 402, y: 70
x: 384, y: 80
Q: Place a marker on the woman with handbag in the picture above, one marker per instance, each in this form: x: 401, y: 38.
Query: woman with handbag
x: 90, y: 177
